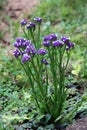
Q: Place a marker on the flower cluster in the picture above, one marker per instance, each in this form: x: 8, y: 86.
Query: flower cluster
x: 51, y: 40
x: 50, y: 37
x: 45, y: 66
x: 38, y: 19
x: 44, y: 61
x: 57, y: 43
x: 23, y: 22
x: 42, y: 51
x: 31, y: 25
x: 24, y: 48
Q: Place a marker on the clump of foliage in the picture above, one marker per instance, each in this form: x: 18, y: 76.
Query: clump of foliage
x: 45, y: 61
x: 61, y: 10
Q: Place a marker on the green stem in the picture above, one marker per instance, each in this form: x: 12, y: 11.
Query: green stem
x: 26, y: 36
x: 46, y: 80
x: 32, y: 35
x: 38, y: 79
x: 68, y: 57
x: 53, y: 73
x: 32, y: 86
x: 39, y: 35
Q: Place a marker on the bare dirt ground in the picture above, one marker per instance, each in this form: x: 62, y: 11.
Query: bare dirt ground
x: 80, y: 125
x: 19, y: 8
x: 15, y: 10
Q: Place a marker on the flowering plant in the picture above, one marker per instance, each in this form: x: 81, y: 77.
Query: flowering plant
x: 44, y: 61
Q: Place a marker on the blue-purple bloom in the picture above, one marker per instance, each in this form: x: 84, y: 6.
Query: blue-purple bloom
x: 26, y: 57
x: 23, y: 22
x: 17, y: 44
x: 29, y: 48
x: 16, y: 53
x: 46, y: 43
x: 51, y: 37
x: 44, y: 61
x: 26, y: 43
x: 20, y: 39
x: 33, y: 52
x: 57, y: 44
x: 31, y: 25
x: 21, y: 42
x: 65, y: 39
x: 70, y: 45
x: 42, y: 51
x: 38, y: 19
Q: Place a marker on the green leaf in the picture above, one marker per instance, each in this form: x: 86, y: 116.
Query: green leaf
x: 51, y: 126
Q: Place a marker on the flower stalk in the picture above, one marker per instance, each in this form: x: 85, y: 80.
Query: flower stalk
x: 45, y: 65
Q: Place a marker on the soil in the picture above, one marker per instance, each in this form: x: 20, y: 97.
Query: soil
x: 16, y: 10
x: 19, y: 8
x: 80, y: 125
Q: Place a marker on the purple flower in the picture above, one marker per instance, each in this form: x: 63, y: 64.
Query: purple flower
x: 44, y: 61
x: 38, y: 19
x: 29, y: 48
x: 57, y: 43
x: 20, y: 39
x: 50, y: 37
x: 69, y: 46
x: 26, y: 43
x: 16, y: 53
x: 65, y: 39
x: 26, y: 57
x: 23, y: 22
x: 19, y: 42
x: 46, y: 38
x: 42, y: 51
x: 31, y: 25
x: 33, y: 52
x: 53, y: 37
x: 46, y: 43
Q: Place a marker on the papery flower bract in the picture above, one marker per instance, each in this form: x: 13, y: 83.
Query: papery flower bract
x: 53, y: 37
x: 31, y: 25
x: 16, y: 53
x: 50, y: 37
x: 23, y: 22
x: 46, y: 38
x: 26, y: 43
x: 42, y: 51
x: 19, y: 42
x: 38, y: 19
x: 70, y: 45
x: 57, y: 43
x: 33, y: 52
x: 46, y: 43
x: 25, y: 57
x: 44, y: 61
x: 20, y: 39
x: 65, y: 39
x: 29, y: 48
